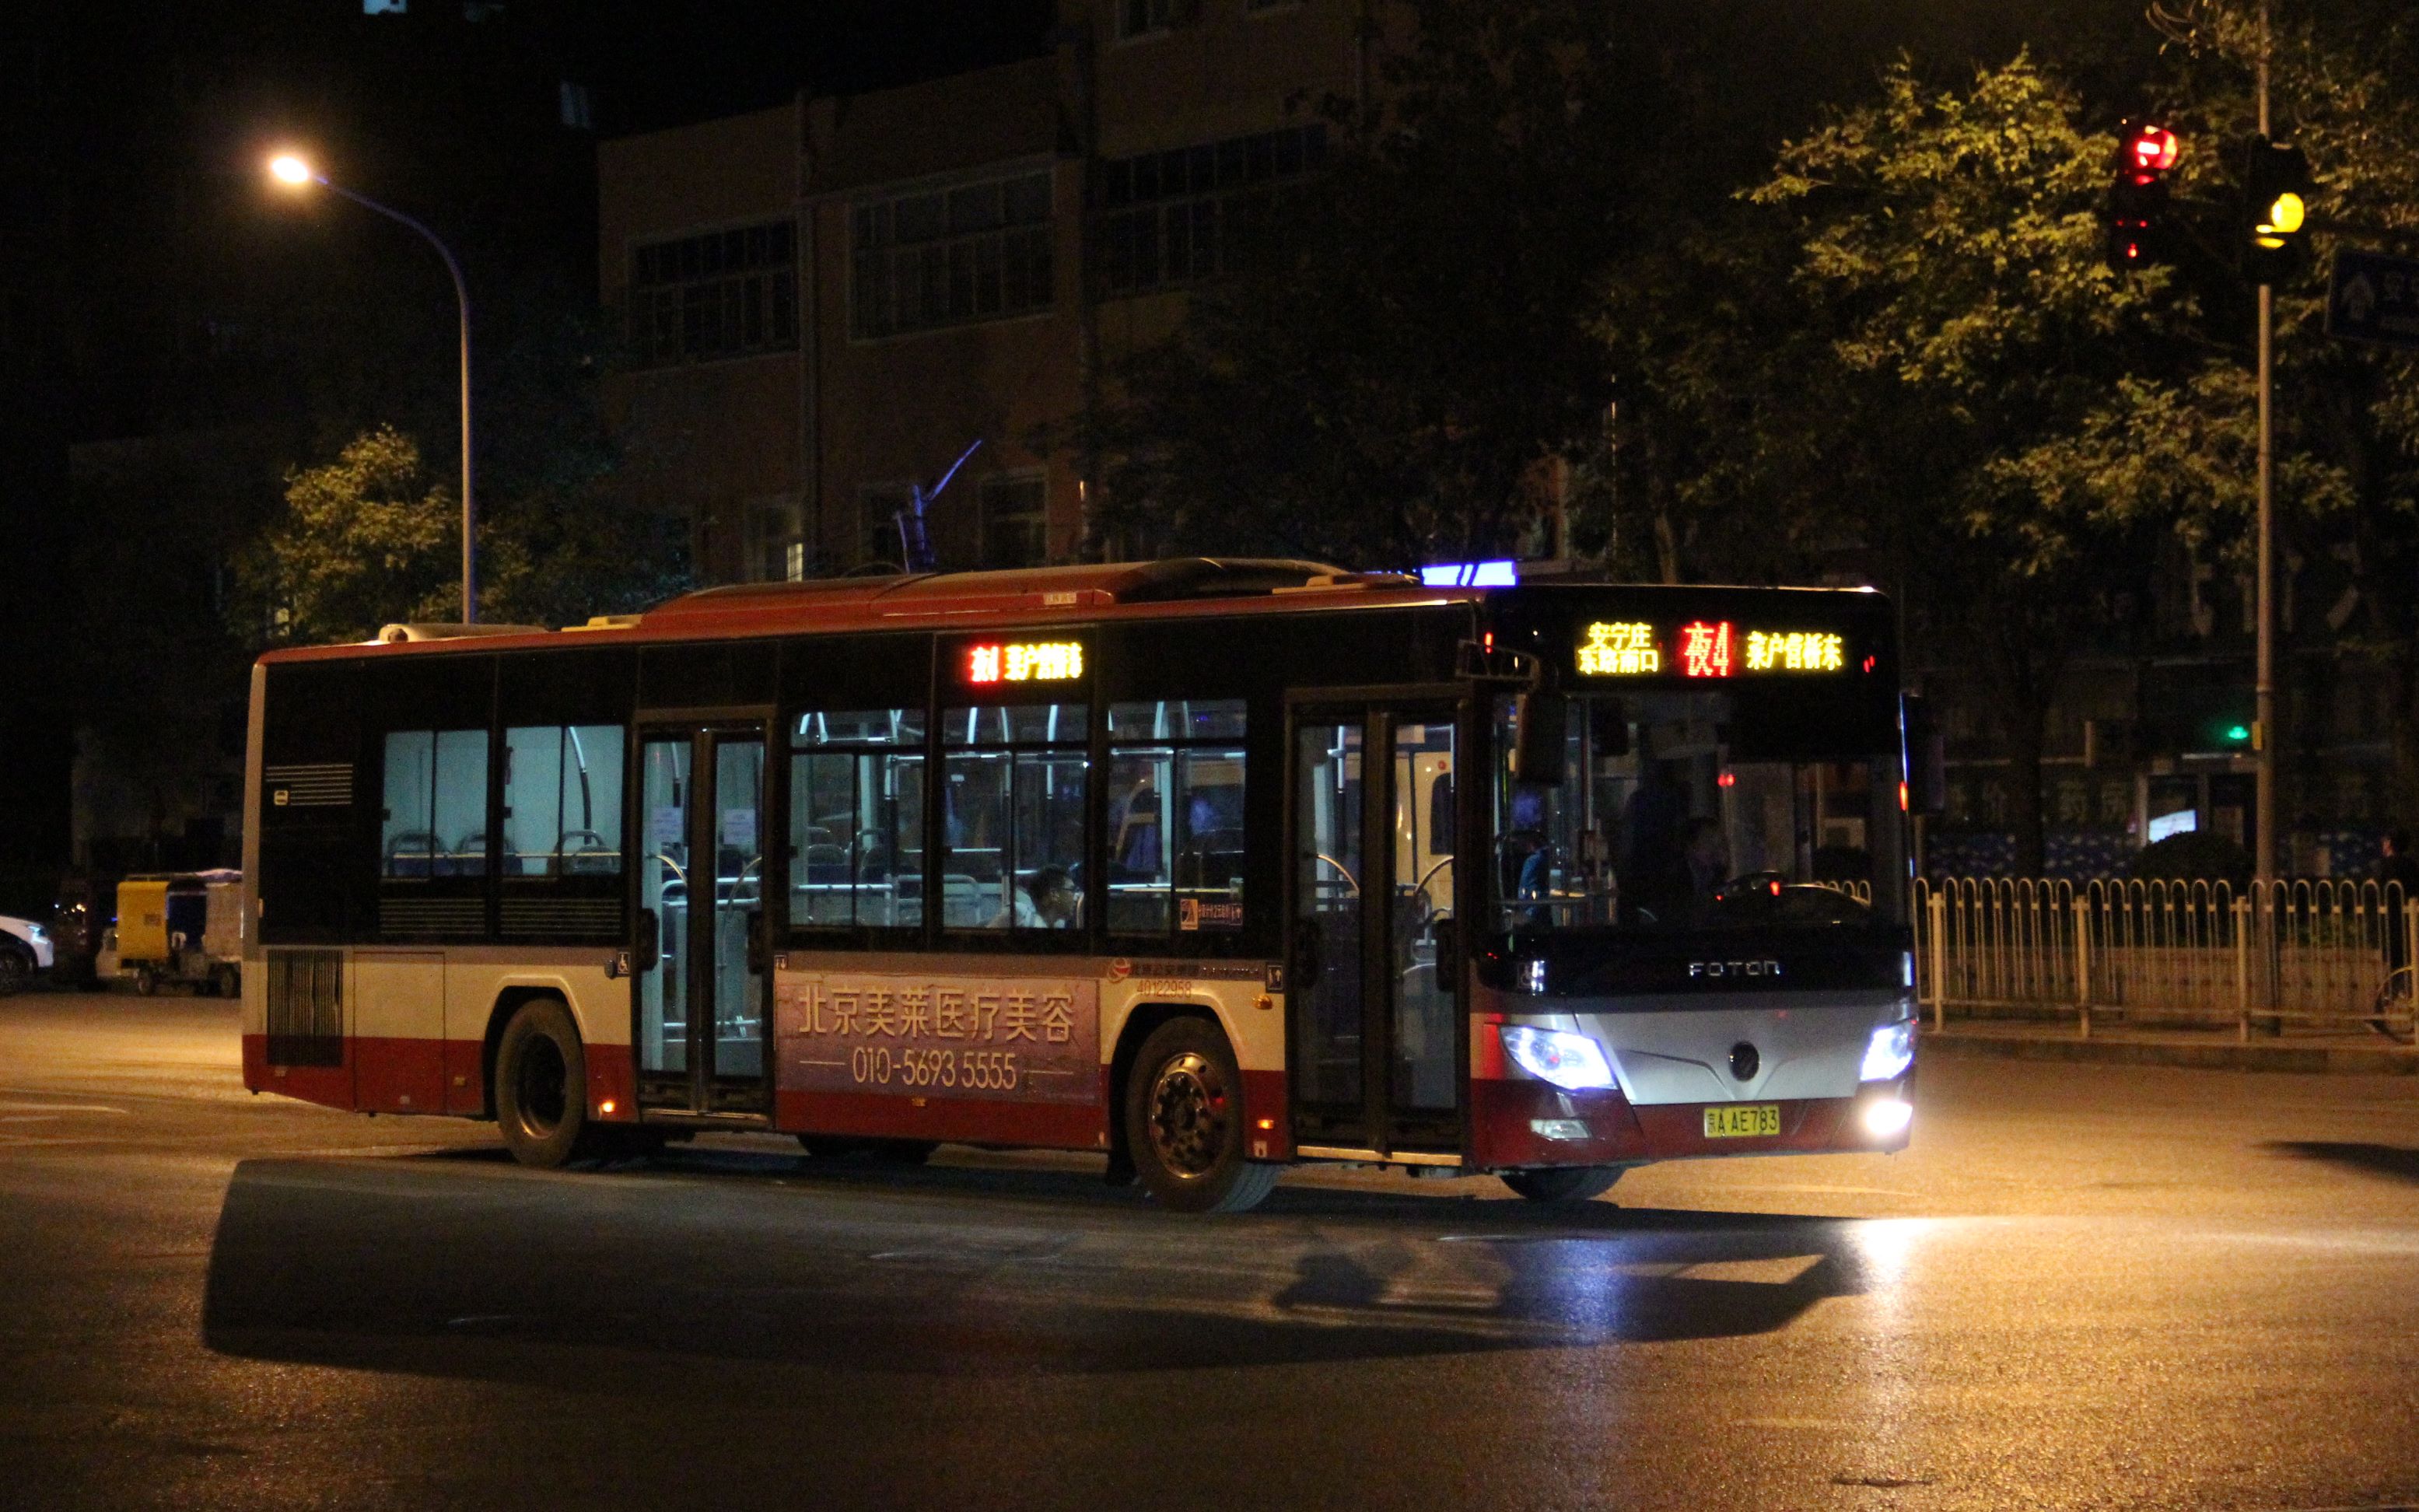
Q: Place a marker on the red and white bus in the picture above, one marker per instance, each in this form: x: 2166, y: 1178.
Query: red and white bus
x: 1211, y: 866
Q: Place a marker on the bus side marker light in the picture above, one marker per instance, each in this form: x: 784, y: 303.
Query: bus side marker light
x: 606, y: 1107
x: 1266, y: 1124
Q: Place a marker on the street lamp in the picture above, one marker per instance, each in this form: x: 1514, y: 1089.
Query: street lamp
x: 297, y: 173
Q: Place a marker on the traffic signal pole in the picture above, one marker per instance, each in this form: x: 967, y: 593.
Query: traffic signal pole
x: 2263, y: 805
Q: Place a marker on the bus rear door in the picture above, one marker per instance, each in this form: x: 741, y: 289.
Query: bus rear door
x: 699, y: 982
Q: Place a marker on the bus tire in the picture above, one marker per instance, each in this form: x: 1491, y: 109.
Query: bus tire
x: 1563, y: 1184
x: 1184, y: 1123
x: 147, y: 982
x: 224, y: 982
x: 542, y: 1086
x: 16, y: 970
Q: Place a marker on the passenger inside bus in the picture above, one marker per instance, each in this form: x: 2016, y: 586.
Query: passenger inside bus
x: 1046, y: 900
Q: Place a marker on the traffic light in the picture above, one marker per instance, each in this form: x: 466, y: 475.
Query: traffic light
x: 2275, y: 207
x: 2138, y: 196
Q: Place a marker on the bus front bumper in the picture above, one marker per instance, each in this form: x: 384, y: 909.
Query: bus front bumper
x: 1525, y: 1123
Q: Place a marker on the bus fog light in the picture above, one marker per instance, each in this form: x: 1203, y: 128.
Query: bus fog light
x: 1889, y: 1052
x: 1568, y: 1060
x: 1888, y: 1118
x: 1564, y: 1129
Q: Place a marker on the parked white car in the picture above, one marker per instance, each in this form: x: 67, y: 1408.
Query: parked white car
x: 24, y: 952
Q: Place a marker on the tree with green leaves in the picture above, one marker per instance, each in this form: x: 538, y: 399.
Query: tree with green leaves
x: 2345, y: 88
x: 370, y: 539
x: 1944, y: 400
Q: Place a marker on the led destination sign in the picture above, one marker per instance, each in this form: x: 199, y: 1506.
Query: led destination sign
x: 1025, y: 661
x: 1718, y: 648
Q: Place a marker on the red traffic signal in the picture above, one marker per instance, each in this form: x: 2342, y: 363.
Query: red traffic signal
x: 2137, y: 197
x: 2148, y: 148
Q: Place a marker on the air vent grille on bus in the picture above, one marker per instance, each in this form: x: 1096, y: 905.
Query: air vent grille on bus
x: 309, y: 785
x: 563, y: 917
x: 399, y: 916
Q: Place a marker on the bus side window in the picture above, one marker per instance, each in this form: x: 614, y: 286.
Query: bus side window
x: 857, y: 808
x: 436, y: 805
x: 1175, y: 840
x: 562, y: 801
x: 1018, y: 781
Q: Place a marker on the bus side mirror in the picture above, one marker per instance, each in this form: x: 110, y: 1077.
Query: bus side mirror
x: 1539, y: 725
x: 1927, y: 758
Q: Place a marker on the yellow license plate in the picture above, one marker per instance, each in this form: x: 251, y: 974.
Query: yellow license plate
x: 1744, y: 1120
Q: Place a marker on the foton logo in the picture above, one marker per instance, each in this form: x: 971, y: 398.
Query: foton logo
x: 1734, y: 968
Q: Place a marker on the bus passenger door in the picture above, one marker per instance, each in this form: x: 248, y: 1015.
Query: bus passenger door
x: 700, y: 972
x: 1373, y: 958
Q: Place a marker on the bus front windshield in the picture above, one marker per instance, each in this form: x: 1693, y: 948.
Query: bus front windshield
x: 1658, y: 823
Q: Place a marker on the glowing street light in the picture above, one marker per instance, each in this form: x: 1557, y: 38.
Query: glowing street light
x: 296, y: 171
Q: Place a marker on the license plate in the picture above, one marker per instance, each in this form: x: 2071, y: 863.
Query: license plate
x: 1743, y: 1120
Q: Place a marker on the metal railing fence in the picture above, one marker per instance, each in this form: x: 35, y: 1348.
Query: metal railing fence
x: 2313, y: 956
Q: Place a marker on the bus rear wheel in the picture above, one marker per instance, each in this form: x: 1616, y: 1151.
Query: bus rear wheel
x: 542, y: 1086
x: 1563, y: 1184
x: 1184, y: 1123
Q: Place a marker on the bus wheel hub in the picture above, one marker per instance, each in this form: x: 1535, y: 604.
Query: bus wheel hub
x: 1188, y: 1115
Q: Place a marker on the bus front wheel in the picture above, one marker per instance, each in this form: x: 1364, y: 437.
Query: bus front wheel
x: 1184, y: 1123
x: 1563, y: 1184
x: 542, y: 1086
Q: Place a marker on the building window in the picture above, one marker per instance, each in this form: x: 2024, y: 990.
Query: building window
x: 1186, y: 214
x: 722, y: 294
x: 878, y: 511
x: 952, y: 256
x: 1140, y: 18
x: 1015, y: 522
x: 776, y: 542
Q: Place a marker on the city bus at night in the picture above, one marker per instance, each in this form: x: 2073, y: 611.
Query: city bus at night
x: 1209, y: 866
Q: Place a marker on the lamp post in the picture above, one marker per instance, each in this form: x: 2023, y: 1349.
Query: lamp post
x: 296, y: 173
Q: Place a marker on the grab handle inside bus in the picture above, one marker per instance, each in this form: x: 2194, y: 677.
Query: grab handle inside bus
x: 651, y: 941
x: 1309, y: 955
x: 1447, y: 941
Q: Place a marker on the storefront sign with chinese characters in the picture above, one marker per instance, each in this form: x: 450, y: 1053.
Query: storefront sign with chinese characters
x: 1021, y: 1038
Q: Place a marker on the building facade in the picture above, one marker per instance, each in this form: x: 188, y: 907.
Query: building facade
x: 831, y: 302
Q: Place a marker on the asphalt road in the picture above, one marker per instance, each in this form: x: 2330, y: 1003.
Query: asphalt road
x: 2085, y: 1286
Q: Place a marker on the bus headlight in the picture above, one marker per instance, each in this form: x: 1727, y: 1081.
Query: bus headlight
x: 1889, y: 1052
x: 1568, y: 1060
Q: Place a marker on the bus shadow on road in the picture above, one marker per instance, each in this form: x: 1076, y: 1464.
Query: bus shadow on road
x: 2377, y: 1159
x: 447, y: 1267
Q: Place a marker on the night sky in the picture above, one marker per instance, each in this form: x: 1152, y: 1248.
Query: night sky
x: 154, y: 286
